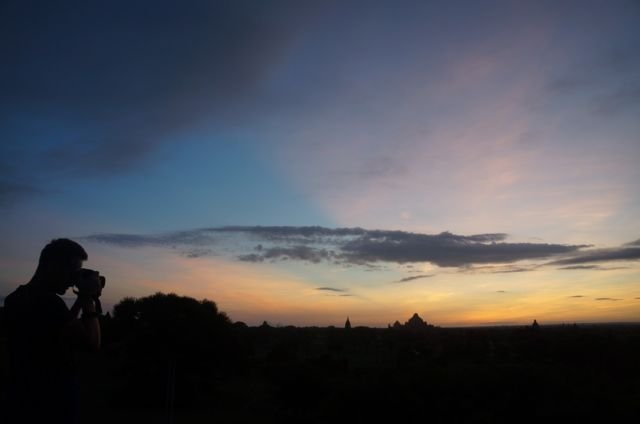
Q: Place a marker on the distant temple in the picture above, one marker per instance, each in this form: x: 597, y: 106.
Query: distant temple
x: 414, y: 323
x: 265, y: 324
x: 535, y: 325
x: 347, y: 324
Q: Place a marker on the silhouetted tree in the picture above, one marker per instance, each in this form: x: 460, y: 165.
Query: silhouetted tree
x: 166, y: 336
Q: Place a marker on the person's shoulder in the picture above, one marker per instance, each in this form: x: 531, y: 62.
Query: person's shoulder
x: 16, y: 303
x: 25, y: 297
x: 15, y: 297
x: 51, y: 300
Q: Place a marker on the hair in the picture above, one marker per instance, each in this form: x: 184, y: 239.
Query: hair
x: 61, y: 251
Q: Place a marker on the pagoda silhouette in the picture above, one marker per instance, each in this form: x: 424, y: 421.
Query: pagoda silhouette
x: 347, y: 324
x: 414, y: 323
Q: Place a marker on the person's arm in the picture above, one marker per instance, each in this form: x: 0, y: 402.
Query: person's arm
x: 88, y: 326
x: 86, y: 330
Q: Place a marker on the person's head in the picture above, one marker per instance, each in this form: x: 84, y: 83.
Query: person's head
x: 59, y: 264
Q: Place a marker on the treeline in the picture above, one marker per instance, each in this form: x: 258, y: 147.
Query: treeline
x: 166, y: 356
x: 164, y: 340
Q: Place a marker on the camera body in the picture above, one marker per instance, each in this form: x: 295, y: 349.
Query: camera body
x: 90, y: 282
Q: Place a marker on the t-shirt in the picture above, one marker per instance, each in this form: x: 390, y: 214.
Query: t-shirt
x: 43, y: 366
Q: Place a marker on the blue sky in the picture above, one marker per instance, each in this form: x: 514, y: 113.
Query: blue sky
x: 154, y: 119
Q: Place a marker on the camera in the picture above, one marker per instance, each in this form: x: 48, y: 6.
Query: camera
x: 87, y: 282
x: 90, y: 283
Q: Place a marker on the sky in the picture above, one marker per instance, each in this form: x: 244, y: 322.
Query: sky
x: 301, y: 162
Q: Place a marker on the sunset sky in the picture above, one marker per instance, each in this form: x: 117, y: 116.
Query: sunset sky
x: 299, y: 162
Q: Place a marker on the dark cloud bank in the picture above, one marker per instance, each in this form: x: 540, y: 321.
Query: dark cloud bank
x: 98, y: 88
x: 358, y: 246
x: 627, y: 252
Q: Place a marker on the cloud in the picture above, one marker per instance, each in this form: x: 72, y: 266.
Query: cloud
x: 629, y: 252
x: 501, y: 291
x: 183, y: 238
x: 446, y: 249
x: 309, y: 234
x: 351, y: 246
x: 580, y: 267
x: 497, y: 269
x: 508, y: 271
x: 576, y: 296
x: 131, y: 77
x: 302, y: 253
x: 608, y: 299
x: 125, y: 240
x: 333, y: 289
x: 591, y: 267
x: 339, y: 292
x: 197, y: 253
x: 416, y: 277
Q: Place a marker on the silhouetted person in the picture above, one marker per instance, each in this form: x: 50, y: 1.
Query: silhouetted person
x: 44, y: 335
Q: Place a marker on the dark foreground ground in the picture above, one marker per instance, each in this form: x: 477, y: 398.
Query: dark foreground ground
x: 320, y: 375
